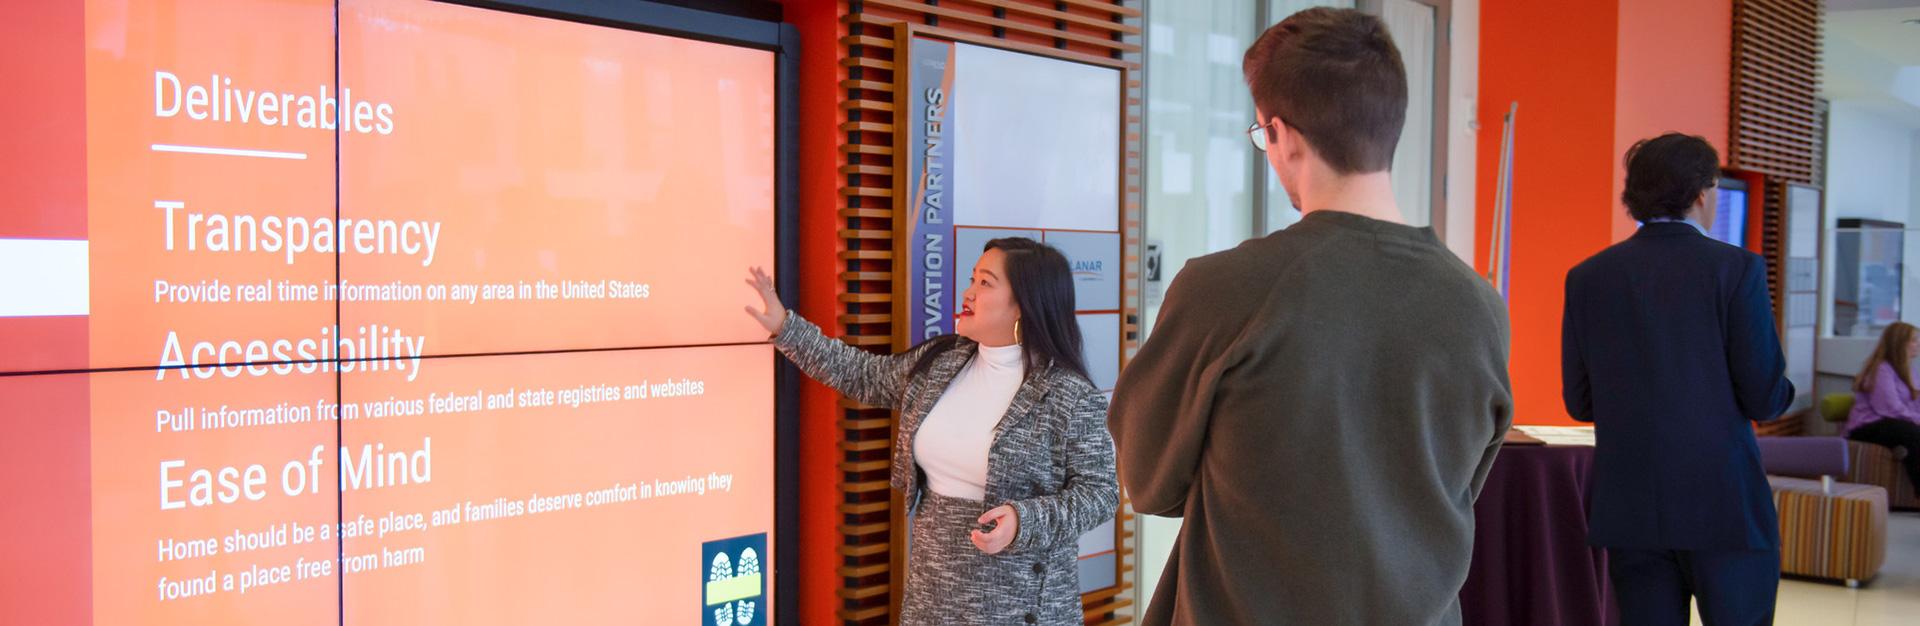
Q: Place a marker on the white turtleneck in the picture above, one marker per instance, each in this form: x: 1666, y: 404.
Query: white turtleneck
x: 952, y: 444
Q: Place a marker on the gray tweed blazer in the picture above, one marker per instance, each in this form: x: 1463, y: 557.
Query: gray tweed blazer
x: 1051, y: 459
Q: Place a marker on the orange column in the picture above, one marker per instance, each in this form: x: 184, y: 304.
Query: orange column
x: 1675, y: 68
x: 1557, y: 60
x: 1591, y: 78
x: 820, y: 117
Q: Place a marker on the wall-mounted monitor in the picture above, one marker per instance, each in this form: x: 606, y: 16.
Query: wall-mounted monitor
x: 345, y: 312
x: 1730, y: 218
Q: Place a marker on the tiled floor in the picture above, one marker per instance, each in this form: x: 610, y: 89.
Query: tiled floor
x: 1890, y: 599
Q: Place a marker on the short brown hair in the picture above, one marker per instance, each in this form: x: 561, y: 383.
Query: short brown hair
x: 1335, y: 76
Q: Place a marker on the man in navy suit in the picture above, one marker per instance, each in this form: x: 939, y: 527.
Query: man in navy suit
x: 1669, y: 349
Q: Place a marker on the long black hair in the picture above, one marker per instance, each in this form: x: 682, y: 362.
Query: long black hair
x: 1042, y: 284
x: 1043, y: 290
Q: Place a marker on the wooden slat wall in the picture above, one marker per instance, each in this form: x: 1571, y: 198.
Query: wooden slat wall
x: 870, y: 577
x: 1776, y: 126
x: 1120, y: 610
x: 1105, y: 32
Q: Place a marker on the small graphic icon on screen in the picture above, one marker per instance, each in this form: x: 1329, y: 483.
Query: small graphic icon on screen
x: 735, y: 593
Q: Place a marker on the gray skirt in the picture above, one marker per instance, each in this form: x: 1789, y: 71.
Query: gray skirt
x: 951, y: 582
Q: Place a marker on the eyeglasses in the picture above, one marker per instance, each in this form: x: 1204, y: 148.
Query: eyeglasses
x: 1259, y: 141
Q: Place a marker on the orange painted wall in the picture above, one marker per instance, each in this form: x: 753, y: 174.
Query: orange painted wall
x: 1591, y: 78
x: 1675, y: 64
x: 1556, y: 60
x: 820, y: 118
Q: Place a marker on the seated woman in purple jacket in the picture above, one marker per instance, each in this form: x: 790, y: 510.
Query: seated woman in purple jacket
x: 1886, y: 407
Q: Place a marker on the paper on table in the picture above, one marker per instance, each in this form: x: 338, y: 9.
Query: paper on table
x: 1560, y: 435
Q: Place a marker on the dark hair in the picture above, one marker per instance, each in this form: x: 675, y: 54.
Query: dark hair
x: 1666, y: 173
x: 1335, y: 76
x: 1042, y: 284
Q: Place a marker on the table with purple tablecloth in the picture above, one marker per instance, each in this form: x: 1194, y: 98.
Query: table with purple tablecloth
x: 1531, y: 562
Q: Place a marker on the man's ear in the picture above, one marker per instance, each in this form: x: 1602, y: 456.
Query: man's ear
x: 1290, y: 143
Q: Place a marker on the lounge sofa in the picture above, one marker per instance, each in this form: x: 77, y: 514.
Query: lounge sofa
x: 1871, y: 464
x: 1828, y: 529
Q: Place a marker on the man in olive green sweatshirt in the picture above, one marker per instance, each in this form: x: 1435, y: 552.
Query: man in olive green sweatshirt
x: 1322, y: 404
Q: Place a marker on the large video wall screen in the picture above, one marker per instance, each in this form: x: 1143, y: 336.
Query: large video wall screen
x: 388, y: 311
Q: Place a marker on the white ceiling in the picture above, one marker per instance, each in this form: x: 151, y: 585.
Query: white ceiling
x: 1873, y: 56
x: 1858, y: 5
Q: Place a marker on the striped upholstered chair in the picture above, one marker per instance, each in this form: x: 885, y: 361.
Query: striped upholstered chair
x: 1871, y: 464
x: 1828, y: 529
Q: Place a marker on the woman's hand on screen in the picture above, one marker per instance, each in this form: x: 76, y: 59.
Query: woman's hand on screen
x: 1002, y: 534
x: 773, y: 314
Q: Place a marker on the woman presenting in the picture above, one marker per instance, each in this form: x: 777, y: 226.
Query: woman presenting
x: 1003, y: 452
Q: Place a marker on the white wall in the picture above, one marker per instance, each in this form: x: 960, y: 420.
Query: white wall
x: 1463, y: 129
x: 1913, y: 179
x: 1873, y: 172
x: 1870, y: 166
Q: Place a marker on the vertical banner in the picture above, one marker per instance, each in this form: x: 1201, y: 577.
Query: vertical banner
x: 930, y: 277
x: 1034, y: 154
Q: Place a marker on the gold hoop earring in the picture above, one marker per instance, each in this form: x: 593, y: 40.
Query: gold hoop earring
x: 1016, y: 332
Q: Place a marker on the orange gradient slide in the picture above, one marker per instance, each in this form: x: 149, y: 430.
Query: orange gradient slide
x: 380, y: 312
x: 580, y: 490
x: 588, y: 187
